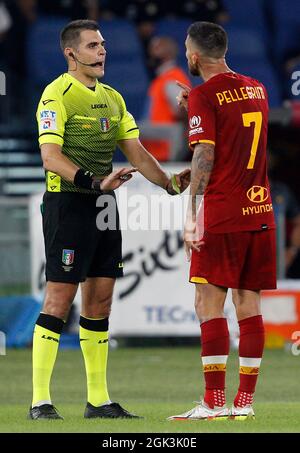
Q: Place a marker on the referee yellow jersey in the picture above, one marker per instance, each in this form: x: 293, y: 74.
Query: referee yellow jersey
x: 87, y: 124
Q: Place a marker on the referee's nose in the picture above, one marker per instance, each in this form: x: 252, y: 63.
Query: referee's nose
x: 102, y: 50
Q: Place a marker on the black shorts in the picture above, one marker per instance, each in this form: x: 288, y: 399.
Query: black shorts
x: 75, y: 248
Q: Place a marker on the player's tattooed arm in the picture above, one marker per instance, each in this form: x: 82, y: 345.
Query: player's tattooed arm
x: 202, y: 165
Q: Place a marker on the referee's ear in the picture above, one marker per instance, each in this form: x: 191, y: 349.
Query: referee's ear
x: 69, y: 55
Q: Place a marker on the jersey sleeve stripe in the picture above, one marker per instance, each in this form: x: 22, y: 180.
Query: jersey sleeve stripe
x: 133, y: 129
x: 203, y: 141
x: 50, y: 133
x: 67, y: 89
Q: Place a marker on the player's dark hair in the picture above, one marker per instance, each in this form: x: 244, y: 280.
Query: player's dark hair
x: 210, y: 38
x: 70, y: 34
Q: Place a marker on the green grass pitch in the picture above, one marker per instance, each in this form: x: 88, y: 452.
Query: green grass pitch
x: 153, y: 382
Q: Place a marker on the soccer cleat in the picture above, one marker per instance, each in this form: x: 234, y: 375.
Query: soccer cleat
x: 113, y: 410
x: 241, y: 413
x: 203, y: 412
x: 45, y: 411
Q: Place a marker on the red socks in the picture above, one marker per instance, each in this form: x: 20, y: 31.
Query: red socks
x: 215, y: 349
x: 252, y: 338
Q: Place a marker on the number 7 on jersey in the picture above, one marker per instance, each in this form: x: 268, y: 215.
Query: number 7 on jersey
x: 256, y: 118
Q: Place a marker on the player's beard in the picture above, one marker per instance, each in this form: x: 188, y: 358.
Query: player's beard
x: 194, y: 69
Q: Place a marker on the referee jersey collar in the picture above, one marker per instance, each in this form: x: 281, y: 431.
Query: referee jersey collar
x: 81, y: 85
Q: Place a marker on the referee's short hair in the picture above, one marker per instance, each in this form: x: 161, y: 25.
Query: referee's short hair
x: 70, y: 34
x: 210, y: 38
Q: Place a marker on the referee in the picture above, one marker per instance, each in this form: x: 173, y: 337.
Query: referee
x: 81, y: 121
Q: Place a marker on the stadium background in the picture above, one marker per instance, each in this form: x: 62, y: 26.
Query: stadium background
x: 263, y: 43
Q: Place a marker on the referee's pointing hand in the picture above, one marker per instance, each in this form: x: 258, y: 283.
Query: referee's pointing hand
x: 118, y: 177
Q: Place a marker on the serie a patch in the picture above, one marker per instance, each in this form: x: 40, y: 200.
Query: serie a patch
x: 48, y: 120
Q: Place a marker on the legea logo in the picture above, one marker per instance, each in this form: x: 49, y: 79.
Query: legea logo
x: 257, y: 194
x: 195, y: 121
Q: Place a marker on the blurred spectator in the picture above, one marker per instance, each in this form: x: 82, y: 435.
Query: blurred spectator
x: 73, y: 9
x: 137, y: 11
x: 152, y: 10
x: 284, y: 200
x: 144, y: 13
x: 288, y: 63
x: 163, y: 107
x: 5, y: 24
x: 5, y: 20
x: 291, y: 62
x: 22, y: 14
x: 204, y: 10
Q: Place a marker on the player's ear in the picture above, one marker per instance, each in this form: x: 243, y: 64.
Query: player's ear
x: 194, y: 58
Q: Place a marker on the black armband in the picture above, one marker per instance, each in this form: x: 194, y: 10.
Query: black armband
x: 86, y: 180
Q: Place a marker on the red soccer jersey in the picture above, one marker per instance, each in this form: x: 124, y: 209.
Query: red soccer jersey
x: 231, y: 111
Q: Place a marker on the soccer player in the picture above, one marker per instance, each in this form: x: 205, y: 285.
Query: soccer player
x: 80, y: 123
x: 228, y: 116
